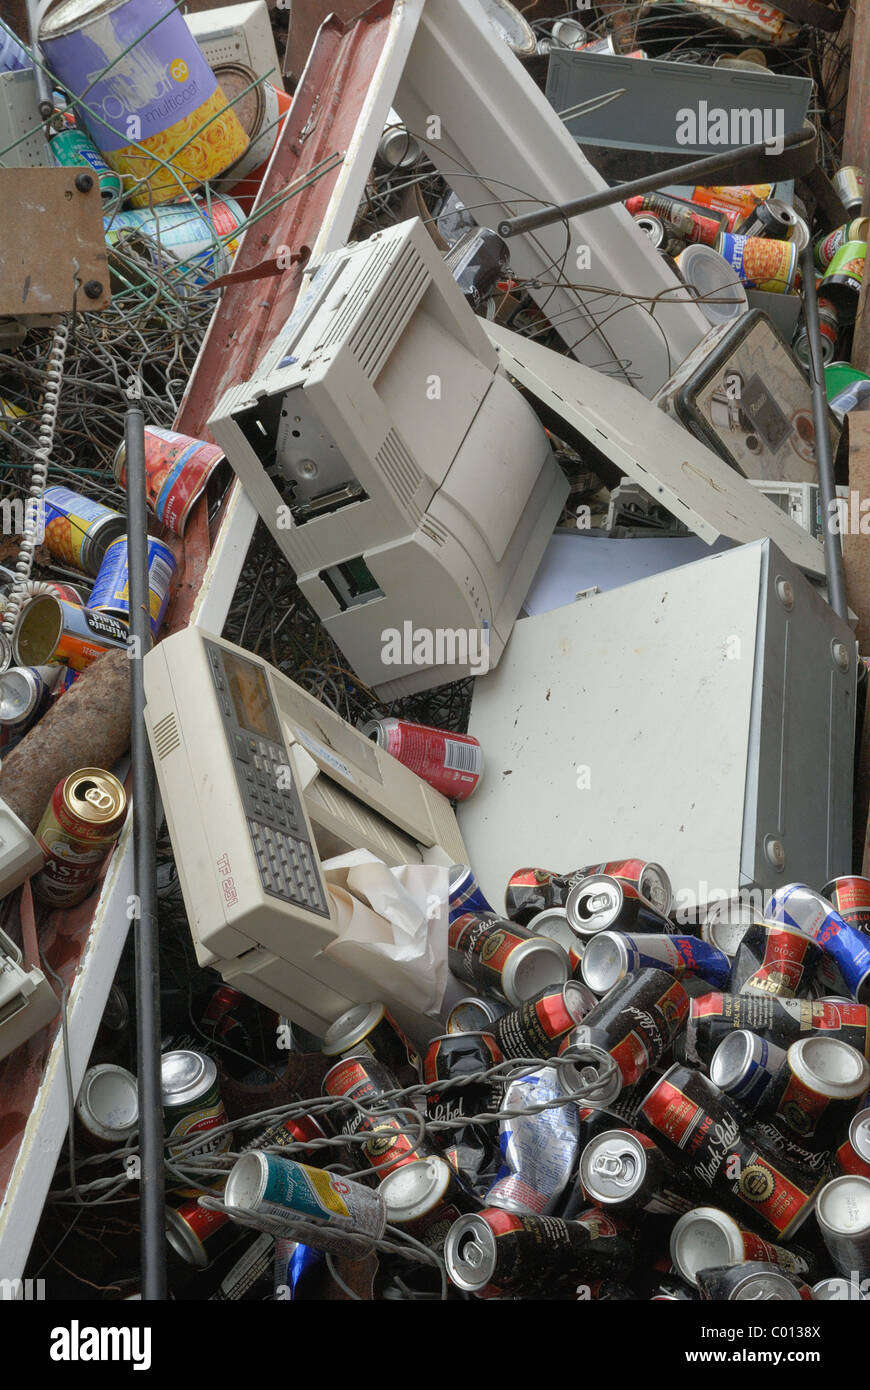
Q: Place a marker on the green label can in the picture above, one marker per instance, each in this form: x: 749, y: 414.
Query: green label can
x: 72, y: 147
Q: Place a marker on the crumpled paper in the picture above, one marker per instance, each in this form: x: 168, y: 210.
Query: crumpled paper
x: 392, y: 925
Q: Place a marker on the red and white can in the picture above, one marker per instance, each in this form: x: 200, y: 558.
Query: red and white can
x: 451, y: 763
x: 177, y: 470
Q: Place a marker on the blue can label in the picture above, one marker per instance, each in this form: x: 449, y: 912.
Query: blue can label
x: 111, y: 591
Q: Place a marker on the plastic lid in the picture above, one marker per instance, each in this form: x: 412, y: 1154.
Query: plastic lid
x: 715, y: 280
x: 705, y: 1238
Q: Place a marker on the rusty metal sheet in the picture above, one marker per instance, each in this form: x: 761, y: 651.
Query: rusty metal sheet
x: 51, y: 234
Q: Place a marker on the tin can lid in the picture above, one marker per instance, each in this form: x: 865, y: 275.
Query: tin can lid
x: 414, y: 1189
x: 593, y: 904
x: 185, y: 1075
x: 705, y: 1238
x: 830, y: 1066
x: 351, y: 1027
x: 107, y: 1103
x: 470, y: 1253
x: 843, y: 1206
x: 532, y: 968
x: 859, y: 1134
x: 605, y: 961
x: 74, y: 14
x: 247, y: 1181
x: 613, y: 1166
x: 94, y: 796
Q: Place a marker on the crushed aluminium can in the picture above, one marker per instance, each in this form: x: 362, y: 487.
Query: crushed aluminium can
x: 465, y: 893
x: 267, y: 1185
x: 539, y: 1148
x: 602, y: 901
x: 79, y: 827
x: 850, y: 896
x: 530, y: 891
x: 799, y: 907
x: 452, y: 1057
x: 774, y: 959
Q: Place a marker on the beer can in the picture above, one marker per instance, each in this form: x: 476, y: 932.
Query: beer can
x: 726, y: 923
x: 539, y: 1148
x: 499, y: 956
x: 706, y: 1238
x: 530, y: 891
x: 465, y: 893
x: 496, y: 1254
x: 107, y: 1107
x: 692, y: 1119
x: 806, y: 911
x: 663, y: 1287
x: 744, y: 1065
x: 626, y: 1172
x: 25, y: 692
x: 829, y: 332
x: 826, y: 247
x: 451, y: 763
x: 51, y: 630
x: 294, y: 1131
x: 111, y: 591
x: 393, y: 1140
x: 72, y: 147
x: 760, y: 263
x: 361, y: 1078
x: 178, y: 469
x: 853, y: 1156
x: 553, y: 923
x: 610, y: 956
x: 749, y: 1282
x: 268, y: 1185
x: 371, y: 1028
x: 152, y: 103
x: 473, y: 1015
x: 192, y: 1106
x: 816, y: 1091
x: 773, y: 218
x: 849, y: 185
x: 775, y: 959
x: 631, y: 1027
x: 451, y: 1058
x: 689, y: 223
x: 601, y: 901
x: 424, y: 1198
x: 538, y: 1028
x: 78, y: 828
x: 251, y: 1274
x: 197, y: 1234
x: 843, y: 1214
x: 843, y: 277
x: 850, y: 896
x: 652, y: 227
x: 782, y: 1021
x: 78, y: 530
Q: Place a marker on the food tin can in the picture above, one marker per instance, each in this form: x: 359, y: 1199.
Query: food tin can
x: 744, y: 1065
x: 850, y: 896
x: 192, y: 1107
x: 849, y: 185
x: 111, y: 591
x: 538, y: 1028
x: 451, y: 763
x: 600, y: 901
x: 706, y: 1238
x: 496, y: 1253
x: 71, y: 147
x: 371, y: 1028
x: 538, y: 1148
x: 50, y: 629
x: 267, y: 1185
x: 774, y: 959
x: 465, y: 893
x: 500, y: 956
x: 624, y: 1171
x: 197, y: 239
x: 750, y: 1282
x: 843, y: 1214
x: 611, y: 955
x: 178, y: 469
x: 78, y: 530
x: 843, y: 277
x: 107, y: 1107
x: 762, y: 264
x: 452, y: 1060
x: 799, y: 907
x: 149, y: 98
x: 79, y: 827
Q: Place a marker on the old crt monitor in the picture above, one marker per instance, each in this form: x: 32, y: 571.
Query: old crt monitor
x: 260, y: 782
x: 404, y: 477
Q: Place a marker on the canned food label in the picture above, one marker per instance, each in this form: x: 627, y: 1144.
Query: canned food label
x: 68, y: 519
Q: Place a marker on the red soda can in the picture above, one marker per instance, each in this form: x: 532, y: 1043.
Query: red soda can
x: 851, y: 897
x: 853, y: 1156
x: 451, y: 763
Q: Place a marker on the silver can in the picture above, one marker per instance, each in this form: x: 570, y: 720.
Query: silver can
x: 843, y: 1214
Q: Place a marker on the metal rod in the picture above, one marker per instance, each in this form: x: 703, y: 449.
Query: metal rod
x: 152, y: 1194
x: 824, y: 460
x: 681, y: 173
x: 43, y: 89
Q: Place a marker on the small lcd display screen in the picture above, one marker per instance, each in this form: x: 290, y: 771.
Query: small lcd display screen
x: 251, y: 697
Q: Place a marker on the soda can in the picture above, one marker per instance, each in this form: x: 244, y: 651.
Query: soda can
x: 553, y: 923
x: 197, y: 1234
x: 849, y: 185
x: 137, y: 65
x: 774, y: 219
x: 610, y: 956
x: 843, y: 277
x: 196, y: 239
x: 192, y: 1106
x: 816, y: 1091
x: 850, y: 896
x: 697, y: 1123
x: 853, y: 1156
x: 499, y: 1254
x: 425, y: 1198
x: 799, y: 907
x: 652, y: 227
x: 602, y: 901
x: 750, y: 1282
x: 451, y: 763
x: 624, y: 1171
x: 843, y: 1214
x: 107, y: 1107
x: 539, y: 1150
x: 690, y: 224
x: 25, y: 692
x: 775, y: 959
x: 111, y: 591
x: 178, y: 469
x: 72, y: 147
x: 829, y: 332
x: 782, y: 1021
x: 457, y: 1055
x: 78, y: 828
x: 473, y: 1015
x: 395, y: 1139
x: 706, y: 1238
x: 726, y: 923
x: 78, y: 530
x: 497, y: 955
x: 268, y: 1185
x: 760, y: 263
x: 744, y: 1065
x: 538, y: 1028
x: 371, y: 1028
x: 631, y: 1027
x: 50, y: 629
x: 826, y: 247
x: 465, y: 893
